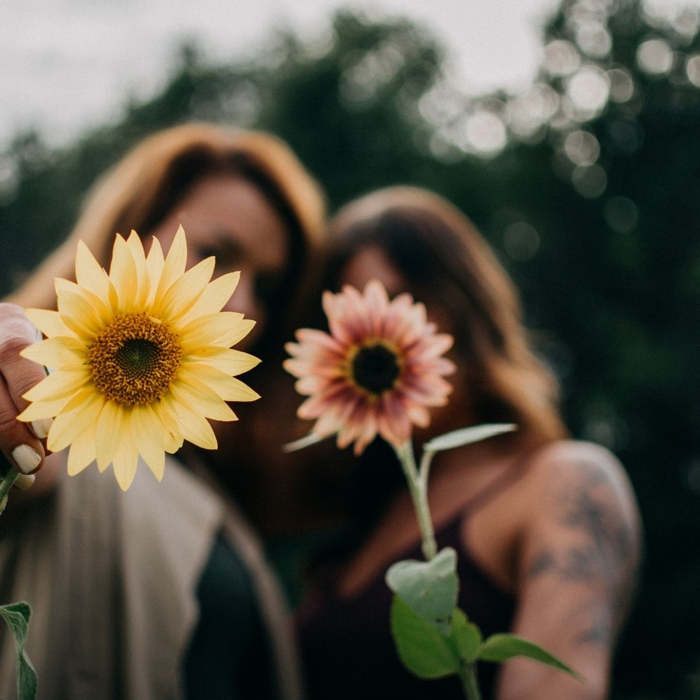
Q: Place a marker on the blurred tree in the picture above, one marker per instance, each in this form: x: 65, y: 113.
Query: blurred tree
x: 587, y: 184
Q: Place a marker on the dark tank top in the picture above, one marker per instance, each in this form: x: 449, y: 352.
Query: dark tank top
x: 346, y: 645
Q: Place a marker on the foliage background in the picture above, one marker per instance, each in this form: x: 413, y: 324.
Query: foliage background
x: 600, y: 230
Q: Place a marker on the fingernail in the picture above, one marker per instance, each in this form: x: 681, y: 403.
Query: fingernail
x: 26, y: 458
x: 25, y: 481
x: 41, y: 427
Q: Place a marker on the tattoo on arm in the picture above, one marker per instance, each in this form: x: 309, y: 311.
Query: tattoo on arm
x: 602, y: 554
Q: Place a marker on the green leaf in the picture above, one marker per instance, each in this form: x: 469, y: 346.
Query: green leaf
x: 421, y: 648
x: 466, y: 636
x: 17, y: 615
x: 500, y: 647
x: 465, y: 436
x: 429, y: 588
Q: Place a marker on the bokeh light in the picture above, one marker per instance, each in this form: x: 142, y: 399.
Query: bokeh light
x: 561, y: 58
x: 521, y: 241
x: 655, y: 57
x: 588, y: 90
x: 621, y: 85
x: 692, y: 69
x: 486, y: 132
x: 593, y: 39
x: 621, y: 214
x: 582, y: 147
x: 530, y: 110
x: 589, y: 181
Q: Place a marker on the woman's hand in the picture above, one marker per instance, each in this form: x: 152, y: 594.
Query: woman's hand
x: 22, y: 444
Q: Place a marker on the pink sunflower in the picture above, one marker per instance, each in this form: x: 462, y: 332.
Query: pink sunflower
x: 376, y: 372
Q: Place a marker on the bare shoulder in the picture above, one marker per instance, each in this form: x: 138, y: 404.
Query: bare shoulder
x: 578, y: 470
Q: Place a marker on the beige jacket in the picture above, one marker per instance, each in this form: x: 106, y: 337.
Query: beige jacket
x: 111, y: 578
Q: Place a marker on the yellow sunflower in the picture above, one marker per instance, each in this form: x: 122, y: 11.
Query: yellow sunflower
x: 141, y: 357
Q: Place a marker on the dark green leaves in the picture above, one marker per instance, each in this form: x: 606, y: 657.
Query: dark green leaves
x: 500, y: 647
x: 17, y: 615
x: 466, y: 636
x: 422, y: 648
x: 432, y: 636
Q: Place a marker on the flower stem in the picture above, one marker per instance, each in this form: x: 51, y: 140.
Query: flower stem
x: 467, y: 674
x: 5, y: 486
x: 418, y: 488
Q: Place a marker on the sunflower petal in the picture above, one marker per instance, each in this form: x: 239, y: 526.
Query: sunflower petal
x: 126, y: 457
x: 90, y: 275
x: 124, y: 275
x: 100, y: 308
x: 43, y: 409
x: 77, y: 310
x: 173, y: 436
x: 67, y: 426
x: 82, y: 451
x: 154, y: 267
x: 201, y: 399
x: 174, y: 265
x: 108, y: 433
x: 63, y: 382
x: 184, y: 292
x: 224, y: 329
x: 226, y: 387
x: 150, y: 437
x: 214, y: 297
x: 59, y: 352
x: 48, y: 322
x: 135, y: 246
x: 193, y: 427
x: 231, y: 362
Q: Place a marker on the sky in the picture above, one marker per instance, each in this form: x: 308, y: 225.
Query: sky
x: 68, y: 65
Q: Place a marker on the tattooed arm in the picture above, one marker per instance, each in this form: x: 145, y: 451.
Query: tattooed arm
x: 577, y: 567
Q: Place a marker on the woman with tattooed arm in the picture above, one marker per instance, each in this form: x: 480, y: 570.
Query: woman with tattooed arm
x: 546, y: 528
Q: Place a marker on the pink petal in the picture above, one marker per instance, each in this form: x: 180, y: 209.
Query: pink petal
x: 310, y: 384
x: 319, y: 403
x: 429, y: 391
x: 418, y: 415
x: 369, y: 432
x: 439, y: 365
x: 376, y: 303
x: 313, y: 337
x: 392, y: 419
x: 301, y: 368
x: 431, y: 346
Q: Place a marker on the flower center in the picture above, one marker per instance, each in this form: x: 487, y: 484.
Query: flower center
x: 375, y: 368
x: 133, y: 359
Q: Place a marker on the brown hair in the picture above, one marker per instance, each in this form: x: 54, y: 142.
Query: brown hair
x: 444, y: 257
x: 148, y: 182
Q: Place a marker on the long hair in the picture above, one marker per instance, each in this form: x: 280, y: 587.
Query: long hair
x: 149, y: 181
x: 443, y: 257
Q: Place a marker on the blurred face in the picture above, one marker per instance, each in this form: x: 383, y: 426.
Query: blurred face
x: 226, y: 216
x: 373, y: 263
